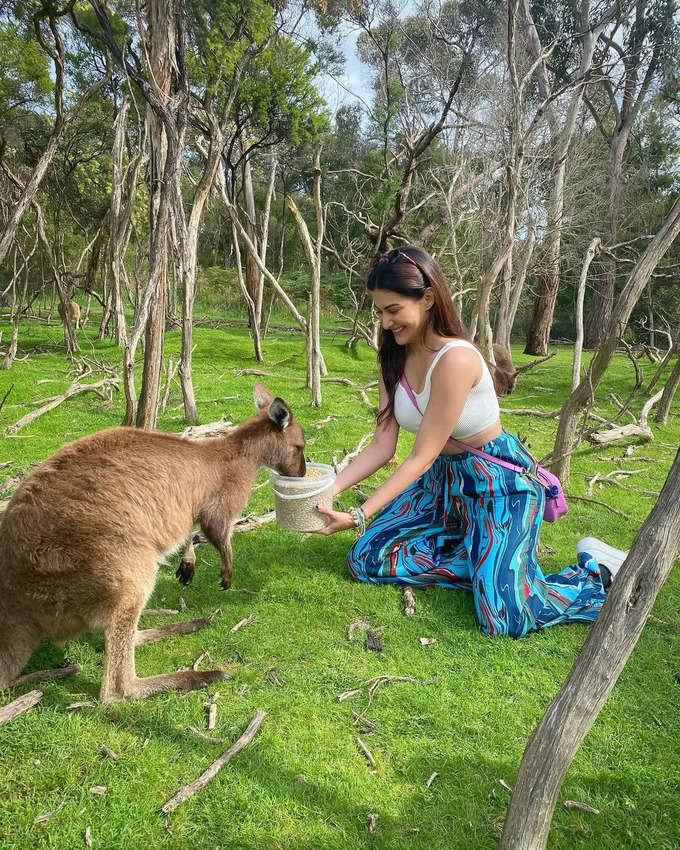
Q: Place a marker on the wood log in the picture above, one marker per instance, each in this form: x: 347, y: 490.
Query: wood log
x: 612, y: 638
x: 20, y: 706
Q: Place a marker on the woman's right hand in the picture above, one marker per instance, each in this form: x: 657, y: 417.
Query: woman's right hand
x: 335, y: 521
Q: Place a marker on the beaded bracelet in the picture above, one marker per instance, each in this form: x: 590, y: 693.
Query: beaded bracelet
x: 359, y: 519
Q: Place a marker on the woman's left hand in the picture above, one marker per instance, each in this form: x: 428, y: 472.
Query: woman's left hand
x: 336, y: 521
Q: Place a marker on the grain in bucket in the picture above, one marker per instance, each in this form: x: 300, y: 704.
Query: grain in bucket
x: 296, y: 498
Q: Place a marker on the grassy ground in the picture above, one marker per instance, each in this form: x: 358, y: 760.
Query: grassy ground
x: 467, y: 717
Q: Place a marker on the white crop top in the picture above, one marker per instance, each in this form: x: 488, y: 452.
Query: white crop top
x: 481, y: 406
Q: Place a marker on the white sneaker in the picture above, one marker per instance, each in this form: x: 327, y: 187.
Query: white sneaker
x: 605, y: 555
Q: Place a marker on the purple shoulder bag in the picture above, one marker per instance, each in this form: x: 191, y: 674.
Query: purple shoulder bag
x: 555, y: 501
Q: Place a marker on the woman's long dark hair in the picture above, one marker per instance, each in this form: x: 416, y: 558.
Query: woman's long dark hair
x: 410, y: 271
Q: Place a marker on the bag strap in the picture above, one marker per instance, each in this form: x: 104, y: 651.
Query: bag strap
x: 463, y: 446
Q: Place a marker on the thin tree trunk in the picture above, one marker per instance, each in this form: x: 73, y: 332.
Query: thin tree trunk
x: 583, y: 394
x: 508, y: 312
x: 580, y: 295
x: 538, y: 335
x: 612, y: 638
x: 252, y: 269
x: 247, y: 297
x: 669, y: 391
x: 264, y: 236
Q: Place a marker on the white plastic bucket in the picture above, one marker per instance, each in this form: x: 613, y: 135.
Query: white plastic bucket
x: 296, y: 498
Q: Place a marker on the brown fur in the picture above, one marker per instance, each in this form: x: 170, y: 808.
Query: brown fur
x: 81, y: 538
x: 74, y: 311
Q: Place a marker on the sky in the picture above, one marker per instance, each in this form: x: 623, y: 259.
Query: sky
x: 354, y: 84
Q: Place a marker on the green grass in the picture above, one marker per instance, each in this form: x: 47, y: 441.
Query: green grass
x: 471, y: 725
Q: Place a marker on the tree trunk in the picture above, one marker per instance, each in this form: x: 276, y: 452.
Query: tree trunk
x: 612, y: 638
x: 264, y: 236
x: 508, y: 311
x: 669, y: 391
x: 580, y: 295
x: 600, y: 309
x: 252, y: 269
x: 164, y: 170
x: 538, y: 335
x: 565, y: 440
x: 313, y: 248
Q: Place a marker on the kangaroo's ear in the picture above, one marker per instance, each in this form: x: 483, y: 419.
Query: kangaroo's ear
x: 261, y: 396
x: 279, y: 413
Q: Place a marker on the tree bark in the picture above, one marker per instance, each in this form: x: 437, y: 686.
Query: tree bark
x: 580, y: 296
x: 561, y: 133
x: 565, y: 440
x: 612, y: 638
x: 669, y: 391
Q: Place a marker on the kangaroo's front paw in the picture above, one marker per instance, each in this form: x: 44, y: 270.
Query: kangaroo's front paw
x: 185, y: 572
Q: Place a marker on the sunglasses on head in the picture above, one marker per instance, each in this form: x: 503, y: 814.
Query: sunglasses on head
x: 396, y: 255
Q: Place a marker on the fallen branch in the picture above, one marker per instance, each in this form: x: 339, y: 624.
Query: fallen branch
x: 198, y: 784
x: 42, y: 675
x: 211, y: 710
x: 210, y: 429
x: 584, y: 807
x: 74, y: 389
x: 241, y: 623
x: 247, y: 523
x: 20, y: 706
x: 409, y: 601
x: 603, y: 505
x: 367, y: 753
x: 526, y: 411
x: 205, y: 737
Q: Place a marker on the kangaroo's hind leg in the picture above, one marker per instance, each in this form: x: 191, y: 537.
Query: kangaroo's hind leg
x: 120, y: 680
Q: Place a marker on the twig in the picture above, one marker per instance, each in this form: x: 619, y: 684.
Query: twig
x: 241, y: 623
x: 355, y: 625
x: 205, y: 737
x: 367, y: 753
x: 107, y: 752
x: 6, y: 396
x: 603, y: 505
x: 204, y: 654
x: 409, y: 601
x: 347, y: 694
x: 147, y: 612
x: 193, y: 787
x: 42, y: 675
x: 47, y: 815
x: 211, y: 708
x: 431, y: 779
x: 372, y: 819
x: 74, y: 706
x: 574, y: 804
x: 20, y: 706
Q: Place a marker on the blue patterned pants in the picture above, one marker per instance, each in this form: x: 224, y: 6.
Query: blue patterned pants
x: 473, y: 525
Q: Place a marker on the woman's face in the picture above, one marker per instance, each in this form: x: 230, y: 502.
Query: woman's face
x: 404, y: 316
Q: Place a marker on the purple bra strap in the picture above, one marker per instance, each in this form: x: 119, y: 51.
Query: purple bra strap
x: 457, y: 443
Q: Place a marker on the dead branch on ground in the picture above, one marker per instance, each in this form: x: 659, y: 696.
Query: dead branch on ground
x: 75, y: 389
x: 192, y: 788
x: 20, y: 706
x: 42, y: 675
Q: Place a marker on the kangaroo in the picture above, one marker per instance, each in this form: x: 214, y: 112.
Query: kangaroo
x: 81, y: 539
x: 74, y: 312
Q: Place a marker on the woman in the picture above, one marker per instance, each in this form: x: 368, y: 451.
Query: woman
x: 445, y: 516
